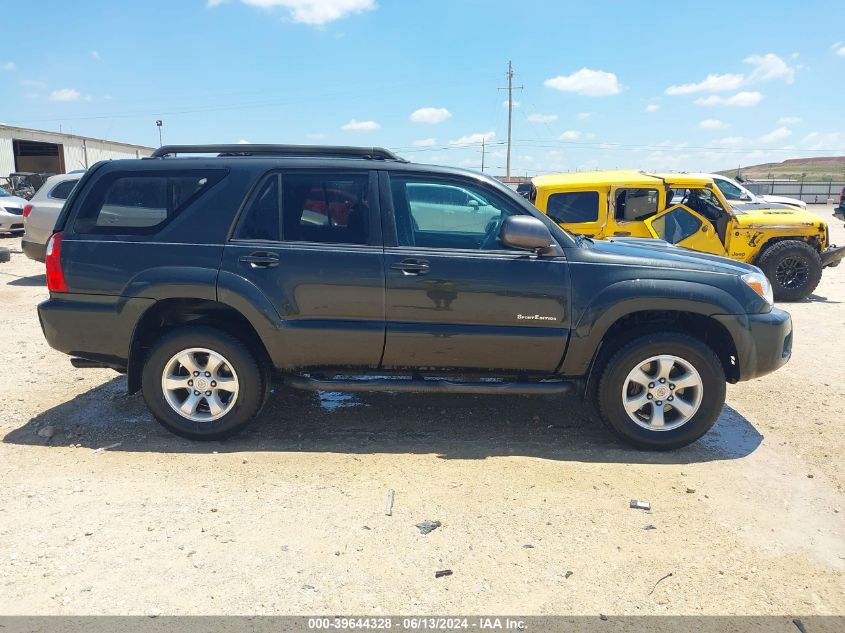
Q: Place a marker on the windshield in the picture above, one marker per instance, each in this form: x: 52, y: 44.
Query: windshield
x: 4, y: 193
x: 730, y: 190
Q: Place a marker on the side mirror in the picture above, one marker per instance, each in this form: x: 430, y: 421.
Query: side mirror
x: 472, y: 203
x: 526, y: 233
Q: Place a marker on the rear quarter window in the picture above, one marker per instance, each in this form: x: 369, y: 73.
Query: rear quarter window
x: 573, y: 207
x: 62, y: 190
x: 141, y: 203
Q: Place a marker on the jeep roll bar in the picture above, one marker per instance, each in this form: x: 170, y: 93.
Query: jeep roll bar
x: 244, y: 149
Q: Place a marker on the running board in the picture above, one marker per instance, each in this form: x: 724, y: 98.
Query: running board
x: 434, y: 385
x: 84, y: 363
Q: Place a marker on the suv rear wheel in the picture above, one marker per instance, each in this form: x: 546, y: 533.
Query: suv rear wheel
x: 661, y: 391
x: 202, y: 383
x: 793, y: 267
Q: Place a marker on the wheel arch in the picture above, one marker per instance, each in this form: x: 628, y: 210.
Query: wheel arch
x: 168, y: 314
x: 641, y: 323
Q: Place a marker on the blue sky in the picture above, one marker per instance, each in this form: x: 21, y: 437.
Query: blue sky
x: 656, y: 85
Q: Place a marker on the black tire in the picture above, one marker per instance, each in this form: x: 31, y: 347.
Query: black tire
x: 615, y: 372
x: 252, y: 384
x: 793, y: 267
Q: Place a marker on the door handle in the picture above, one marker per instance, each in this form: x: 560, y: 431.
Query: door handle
x: 622, y: 233
x: 260, y: 260
x: 412, y: 266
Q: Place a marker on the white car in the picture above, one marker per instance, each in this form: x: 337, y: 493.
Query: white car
x: 41, y: 213
x: 736, y: 193
x: 11, y: 212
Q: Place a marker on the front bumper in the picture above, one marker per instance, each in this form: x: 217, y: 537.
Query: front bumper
x: 832, y: 256
x: 763, y: 341
x: 34, y: 250
x: 11, y: 224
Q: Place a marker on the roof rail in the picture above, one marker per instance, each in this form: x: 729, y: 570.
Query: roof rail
x: 245, y: 149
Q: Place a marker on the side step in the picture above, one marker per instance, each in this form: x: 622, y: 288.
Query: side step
x: 84, y: 363
x: 432, y: 385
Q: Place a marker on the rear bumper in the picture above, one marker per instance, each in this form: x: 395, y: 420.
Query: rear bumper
x: 34, y: 250
x: 95, y: 327
x: 832, y: 256
x: 763, y: 341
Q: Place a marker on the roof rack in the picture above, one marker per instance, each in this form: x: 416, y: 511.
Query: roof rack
x: 245, y: 149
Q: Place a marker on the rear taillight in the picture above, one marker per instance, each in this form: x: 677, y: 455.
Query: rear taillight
x: 55, y: 276
x: 27, y: 210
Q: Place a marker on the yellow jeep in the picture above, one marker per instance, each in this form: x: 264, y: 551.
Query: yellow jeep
x: 789, y: 244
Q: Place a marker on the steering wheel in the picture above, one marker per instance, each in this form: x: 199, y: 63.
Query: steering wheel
x: 491, y: 235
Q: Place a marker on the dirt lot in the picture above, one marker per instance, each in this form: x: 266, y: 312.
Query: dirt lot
x: 289, y: 517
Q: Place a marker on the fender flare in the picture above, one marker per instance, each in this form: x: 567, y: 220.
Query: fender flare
x: 627, y: 297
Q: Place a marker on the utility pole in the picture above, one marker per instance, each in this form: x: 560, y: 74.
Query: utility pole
x: 482, y: 154
x: 510, y: 90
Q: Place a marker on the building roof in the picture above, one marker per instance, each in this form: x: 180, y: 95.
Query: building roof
x: 34, y: 133
x: 620, y: 177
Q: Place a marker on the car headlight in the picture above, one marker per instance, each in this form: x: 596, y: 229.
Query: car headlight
x: 761, y: 285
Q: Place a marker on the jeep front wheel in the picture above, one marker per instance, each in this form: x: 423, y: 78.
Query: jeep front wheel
x: 793, y: 267
x: 661, y: 391
x: 202, y: 383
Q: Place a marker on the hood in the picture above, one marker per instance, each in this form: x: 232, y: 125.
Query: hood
x: 13, y: 201
x: 769, y: 214
x: 790, y: 202
x: 659, y: 253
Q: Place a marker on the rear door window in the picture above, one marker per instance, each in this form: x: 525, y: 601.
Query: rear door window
x: 126, y: 204
x: 573, y: 207
x: 635, y: 204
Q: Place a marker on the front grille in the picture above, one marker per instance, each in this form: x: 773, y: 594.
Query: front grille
x: 14, y: 210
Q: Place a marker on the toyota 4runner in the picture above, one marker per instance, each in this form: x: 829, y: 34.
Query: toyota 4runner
x: 204, y: 272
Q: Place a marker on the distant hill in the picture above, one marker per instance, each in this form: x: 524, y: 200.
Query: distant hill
x: 815, y: 169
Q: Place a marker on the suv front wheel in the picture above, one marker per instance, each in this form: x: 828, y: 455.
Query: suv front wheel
x: 202, y: 383
x: 661, y: 391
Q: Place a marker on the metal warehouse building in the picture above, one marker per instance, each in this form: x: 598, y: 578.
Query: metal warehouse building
x: 24, y: 150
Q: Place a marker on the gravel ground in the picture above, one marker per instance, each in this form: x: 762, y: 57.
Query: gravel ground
x: 532, y: 494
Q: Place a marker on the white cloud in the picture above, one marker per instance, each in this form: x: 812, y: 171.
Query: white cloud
x: 425, y: 142
x: 213, y: 3
x: 712, y: 124
x: 360, y: 126
x: 778, y: 134
x: 243, y: 141
x: 828, y: 141
x: 729, y: 141
x: 840, y: 49
x: 768, y: 67
x: 652, y: 107
x: 470, y: 139
x: 9, y: 66
x: 65, y: 94
x: 740, y: 99
x: 570, y: 135
x: 542, y: 118
x: 584, y: 115
x: 789, y: 120
x: 95, y: 55
x: 712, y: 83
x: 586, y: 82
x: 430, y: 115
x: 313, y: 12
x: 516, y: 104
